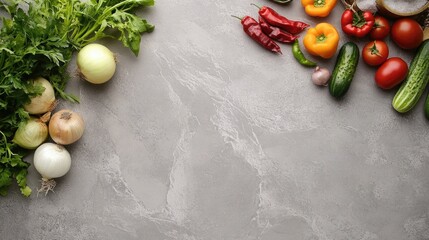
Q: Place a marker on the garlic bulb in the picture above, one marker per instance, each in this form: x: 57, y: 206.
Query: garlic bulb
x: 320, y: 76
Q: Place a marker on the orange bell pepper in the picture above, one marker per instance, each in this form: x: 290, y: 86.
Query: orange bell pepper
x: 322, y: 40
x: 318, y: 8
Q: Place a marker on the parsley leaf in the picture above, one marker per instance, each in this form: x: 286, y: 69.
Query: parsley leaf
x: 40, y: 42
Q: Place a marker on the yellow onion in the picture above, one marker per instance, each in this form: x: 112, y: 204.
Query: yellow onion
x: 66, y: 127
x: 44, y: 102
x: 31, y: 134
x: 96, y: 63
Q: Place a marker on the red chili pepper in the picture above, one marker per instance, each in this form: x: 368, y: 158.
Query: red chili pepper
x: 357, y: 24
x: 275, y: 19
x: 252, y: 28
x: 276, y: 33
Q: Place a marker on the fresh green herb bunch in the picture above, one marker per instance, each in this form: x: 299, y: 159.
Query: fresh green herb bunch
x: 38, y: 38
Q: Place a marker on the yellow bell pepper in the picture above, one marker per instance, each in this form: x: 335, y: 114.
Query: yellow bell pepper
x: 322, y: 40
x: 318, y: 8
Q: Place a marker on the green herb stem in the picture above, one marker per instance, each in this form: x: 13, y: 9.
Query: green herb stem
x: 40, y: 42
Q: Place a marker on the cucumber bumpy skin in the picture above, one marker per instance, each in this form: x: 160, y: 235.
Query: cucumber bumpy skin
x: 344, y: 70
x: 414, y: 85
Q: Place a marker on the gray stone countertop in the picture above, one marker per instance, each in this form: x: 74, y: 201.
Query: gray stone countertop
x: 207, y: 136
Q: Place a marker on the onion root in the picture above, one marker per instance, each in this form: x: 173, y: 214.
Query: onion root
x: 46, y: 186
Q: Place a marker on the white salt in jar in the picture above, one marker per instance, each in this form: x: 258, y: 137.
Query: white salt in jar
x: 402, y: 8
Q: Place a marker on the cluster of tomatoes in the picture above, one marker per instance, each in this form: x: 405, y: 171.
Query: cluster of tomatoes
x: 406, y: 33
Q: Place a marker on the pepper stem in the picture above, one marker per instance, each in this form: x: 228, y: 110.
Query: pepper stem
x: 319, y: 3
x: 255, y: 5
x: 352, y: 8
x: 321, y: 38
x: 237, y: 17
x: 347, y: 4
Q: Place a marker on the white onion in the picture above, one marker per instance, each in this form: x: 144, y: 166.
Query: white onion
x: 51, y: 161
x: 96, y: 63
x: 44, y: 102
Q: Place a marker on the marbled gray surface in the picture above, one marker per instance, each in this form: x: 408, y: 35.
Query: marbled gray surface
x: 207, y: 136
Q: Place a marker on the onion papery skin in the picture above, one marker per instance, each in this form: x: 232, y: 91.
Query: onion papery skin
x: 66, y: 127
x: 52, y: 160
x: 96, y: 63
x: 31, y: 133
x: 44, y: 102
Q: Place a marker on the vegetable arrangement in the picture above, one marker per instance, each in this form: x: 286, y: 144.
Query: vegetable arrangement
x: 36, y: 46
x: 322, y: 42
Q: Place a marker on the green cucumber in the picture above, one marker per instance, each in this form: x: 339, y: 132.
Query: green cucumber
x: 344, y: 70
x: 418, y: 76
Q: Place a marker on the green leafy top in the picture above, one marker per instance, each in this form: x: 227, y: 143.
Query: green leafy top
x: 38, y: 38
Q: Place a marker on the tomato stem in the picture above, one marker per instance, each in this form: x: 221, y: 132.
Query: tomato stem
x: 374, y: 50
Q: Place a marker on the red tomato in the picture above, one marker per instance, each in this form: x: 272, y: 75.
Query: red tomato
x: 380, y: 29
x: 407, y: 33
x: 393, y: 71
x: 375, y: 53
